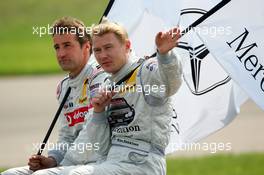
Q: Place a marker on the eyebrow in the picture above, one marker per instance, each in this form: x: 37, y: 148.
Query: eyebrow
x: 67, y: 42
x: 105, y: 45
x: 108, y: 44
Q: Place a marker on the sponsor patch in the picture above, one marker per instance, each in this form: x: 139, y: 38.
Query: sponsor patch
x: 77, y: 116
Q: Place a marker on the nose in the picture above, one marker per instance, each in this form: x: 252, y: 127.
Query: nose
x: 102, y: 55
x: 61, y: 53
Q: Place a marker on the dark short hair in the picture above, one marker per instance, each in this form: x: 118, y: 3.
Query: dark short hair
x: 67, y: 24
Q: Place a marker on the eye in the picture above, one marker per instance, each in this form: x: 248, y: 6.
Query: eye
x: 96, y: 50
x: 108, y: 47
x: 67, y: 45
x: 56, y: 47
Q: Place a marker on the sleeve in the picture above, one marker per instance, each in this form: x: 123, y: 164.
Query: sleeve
x: 162, y: 74
x: 92, y: 143
x: 66, y: 135
x: 65, y: 139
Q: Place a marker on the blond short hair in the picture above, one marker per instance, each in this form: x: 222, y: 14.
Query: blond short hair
x: 110, y: 27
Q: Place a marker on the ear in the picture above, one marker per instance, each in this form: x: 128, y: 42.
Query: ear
x: 128, y: 45
x: 86, y: 48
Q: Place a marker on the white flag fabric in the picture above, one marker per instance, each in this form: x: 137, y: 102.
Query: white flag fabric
x: 240, y: 50
x: 143, y: 19
x: 208, y: 99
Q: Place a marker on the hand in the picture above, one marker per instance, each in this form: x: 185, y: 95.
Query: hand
x: 167, y: 41
x: 102, y: 100
x: 38, y: 162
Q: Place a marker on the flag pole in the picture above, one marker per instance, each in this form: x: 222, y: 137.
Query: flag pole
x: 205, y: 16
x: 107, y: 10
x: 201, y: 19
x: 54, y: 121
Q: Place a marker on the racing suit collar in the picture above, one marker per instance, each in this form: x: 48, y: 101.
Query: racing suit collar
x: 123, y: 71
x: 87, y: 70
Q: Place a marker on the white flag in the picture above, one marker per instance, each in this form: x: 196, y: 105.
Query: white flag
x: 208, y: 99
x: 240, y: 50
x: 143, y: 19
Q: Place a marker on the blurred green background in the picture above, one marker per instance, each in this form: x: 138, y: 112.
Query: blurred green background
x: 25, y: 53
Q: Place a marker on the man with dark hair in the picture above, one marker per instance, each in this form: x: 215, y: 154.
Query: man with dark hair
x: 79, y: 140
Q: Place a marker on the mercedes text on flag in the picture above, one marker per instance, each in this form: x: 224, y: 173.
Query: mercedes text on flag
x: 240, y: 52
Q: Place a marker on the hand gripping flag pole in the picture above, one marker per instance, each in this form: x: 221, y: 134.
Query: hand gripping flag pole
x: 54, y: 121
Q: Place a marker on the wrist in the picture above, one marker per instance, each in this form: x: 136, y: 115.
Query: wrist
x: 98, y: 109
x: 162, y: 52
x: 53, y: 162
x: 99, y: 117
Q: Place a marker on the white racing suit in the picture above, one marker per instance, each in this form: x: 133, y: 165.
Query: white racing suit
x: 139, y: 118
x: 80, y: 141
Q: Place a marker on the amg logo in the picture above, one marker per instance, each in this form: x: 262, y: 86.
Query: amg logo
x: 127, y: 129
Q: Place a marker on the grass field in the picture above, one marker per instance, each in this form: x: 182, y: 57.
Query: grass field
x: 244, y: 164
x: 23, y: 52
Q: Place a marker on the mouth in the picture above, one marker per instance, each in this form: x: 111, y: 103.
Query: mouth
x: 64, y: 61
x: 106, y: 63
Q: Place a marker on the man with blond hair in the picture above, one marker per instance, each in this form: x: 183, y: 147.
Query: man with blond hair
x: 139, y: 117
x: 80, y: 140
